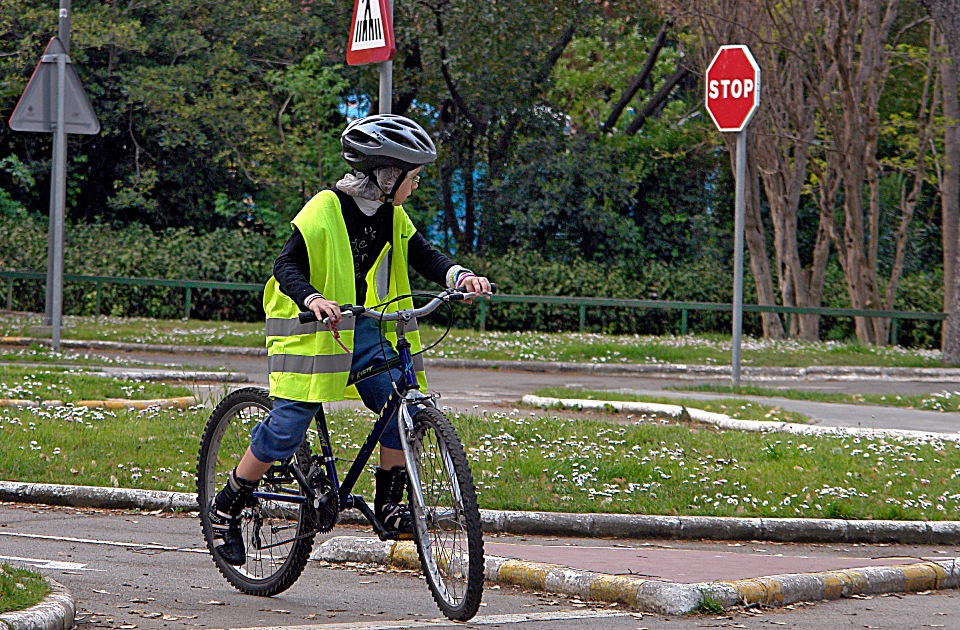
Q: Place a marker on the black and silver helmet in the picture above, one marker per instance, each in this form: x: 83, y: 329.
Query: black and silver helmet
x: 386, y: 140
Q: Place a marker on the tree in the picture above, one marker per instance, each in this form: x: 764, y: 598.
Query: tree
x: 945, y: 14
x: 701, y: 18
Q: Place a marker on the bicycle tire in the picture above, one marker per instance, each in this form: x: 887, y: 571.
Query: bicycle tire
x: 268, y: 570
x: 447, y: 527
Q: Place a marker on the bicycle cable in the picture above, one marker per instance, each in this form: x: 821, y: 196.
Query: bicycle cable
x: 423, y: 294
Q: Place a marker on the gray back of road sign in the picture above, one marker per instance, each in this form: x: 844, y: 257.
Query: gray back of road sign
x: 37, y: 109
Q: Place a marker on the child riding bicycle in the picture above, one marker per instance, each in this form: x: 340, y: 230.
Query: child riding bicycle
x: 350, y: 245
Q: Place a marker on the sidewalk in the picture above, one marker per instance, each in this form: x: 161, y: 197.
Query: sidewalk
x: 679, y: 578
x: 662, y: 564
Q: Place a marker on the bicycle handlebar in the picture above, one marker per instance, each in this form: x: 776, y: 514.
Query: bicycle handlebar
x: 447, y: 295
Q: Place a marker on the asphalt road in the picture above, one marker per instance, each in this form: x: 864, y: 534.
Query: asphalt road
x: 466, y: 388
x: 150, y: 571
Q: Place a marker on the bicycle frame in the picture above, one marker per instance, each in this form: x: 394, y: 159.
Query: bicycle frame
x: 406, y: 392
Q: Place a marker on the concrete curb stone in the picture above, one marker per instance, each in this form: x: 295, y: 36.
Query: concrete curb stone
x: 661, y: 597
x: 97, y: 497
x: 596, y: 525
x: 57, y: 611
x: 723, y: 421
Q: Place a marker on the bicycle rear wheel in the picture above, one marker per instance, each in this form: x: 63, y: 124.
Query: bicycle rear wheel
x: 277, y: 534
x: 446, y: 517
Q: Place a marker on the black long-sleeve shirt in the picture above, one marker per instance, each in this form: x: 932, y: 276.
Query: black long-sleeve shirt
x: 368, y: 235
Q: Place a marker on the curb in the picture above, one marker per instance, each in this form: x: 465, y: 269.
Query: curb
x: 666, y: 598
x: 57, y: 611
x: 97, y: 497
x: 673, y: 370
x: 724, y: 421
x: 182, y: 402
x: 595, y: 525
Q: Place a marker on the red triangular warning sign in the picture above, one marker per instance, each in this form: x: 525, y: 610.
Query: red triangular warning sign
x: 371, y: 33
x: 37, y: 109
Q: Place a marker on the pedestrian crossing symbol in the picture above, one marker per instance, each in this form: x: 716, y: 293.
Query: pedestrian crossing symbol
x: 371, y: 33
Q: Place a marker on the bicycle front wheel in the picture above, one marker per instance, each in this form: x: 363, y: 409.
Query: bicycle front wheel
x: 446, y: 517
x: 278, y: 532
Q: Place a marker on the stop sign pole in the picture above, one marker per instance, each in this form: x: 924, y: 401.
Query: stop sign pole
x: 732, y: 97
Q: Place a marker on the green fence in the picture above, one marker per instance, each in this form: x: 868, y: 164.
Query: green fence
x: 581, y: 303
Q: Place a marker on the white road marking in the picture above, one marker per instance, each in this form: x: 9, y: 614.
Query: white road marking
x: 53, y: 565
x: 483, y: 620
x: 109, y: 543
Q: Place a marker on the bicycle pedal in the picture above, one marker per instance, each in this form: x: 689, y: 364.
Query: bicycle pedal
x: 396, y: 536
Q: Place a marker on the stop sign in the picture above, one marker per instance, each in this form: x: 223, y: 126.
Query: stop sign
x: 733, y: 87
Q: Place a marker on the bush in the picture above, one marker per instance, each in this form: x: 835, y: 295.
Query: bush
x: 247, y: 257
x: 135, y: 251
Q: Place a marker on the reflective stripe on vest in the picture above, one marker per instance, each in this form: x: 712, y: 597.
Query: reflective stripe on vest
x: 305, y: 361
x: 280, y: 327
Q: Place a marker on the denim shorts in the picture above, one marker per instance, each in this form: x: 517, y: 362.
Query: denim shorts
x: 278, y: 436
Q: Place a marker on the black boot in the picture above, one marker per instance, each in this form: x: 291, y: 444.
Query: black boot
x: 224, y: 514
x: 388, y: 502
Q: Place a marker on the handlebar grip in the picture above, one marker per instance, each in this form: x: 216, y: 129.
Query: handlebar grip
x: 493, y: 287
x: 309, y: 317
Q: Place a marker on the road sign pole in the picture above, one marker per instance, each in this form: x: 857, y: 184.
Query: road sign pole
x: 57, y: 199
x: 386, y: 79
x: 64, y: 34
x: 739, y: 217
x: 732, y: 97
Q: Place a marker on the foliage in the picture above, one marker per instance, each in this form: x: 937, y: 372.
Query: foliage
x: 221, y: 118
x: 136, y: 251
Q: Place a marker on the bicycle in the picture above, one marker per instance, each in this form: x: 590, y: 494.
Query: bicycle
x: 302, y: 496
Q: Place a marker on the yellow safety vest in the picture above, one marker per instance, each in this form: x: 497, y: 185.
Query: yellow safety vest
x: 305, y: 361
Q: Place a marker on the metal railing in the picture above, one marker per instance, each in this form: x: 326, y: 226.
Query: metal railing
x: 685, y: 307
x: 99, y: 281
x: 581, y: 303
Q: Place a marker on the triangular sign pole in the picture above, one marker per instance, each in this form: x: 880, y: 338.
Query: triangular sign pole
x: 54, y: 101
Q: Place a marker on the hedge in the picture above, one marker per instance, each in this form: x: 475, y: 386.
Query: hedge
x: 238, y: 256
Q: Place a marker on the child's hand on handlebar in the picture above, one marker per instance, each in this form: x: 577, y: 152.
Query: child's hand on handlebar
x: 322, y: 307
x: 475, y: 284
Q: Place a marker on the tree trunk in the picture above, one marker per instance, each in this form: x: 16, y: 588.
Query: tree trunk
x: 755, y: 238
x: 950, y: 203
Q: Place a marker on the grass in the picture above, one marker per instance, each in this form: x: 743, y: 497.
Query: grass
x: 735, y: 408
x: 69, y: 386
x: 513, y: 346
x: 937, y: 401
x: 153, y: 449
x: 20, y: 588
x: 538, y: 461
x: 141, y: 330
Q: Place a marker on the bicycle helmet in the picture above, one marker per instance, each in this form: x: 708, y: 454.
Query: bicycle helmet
x: 386, y: 140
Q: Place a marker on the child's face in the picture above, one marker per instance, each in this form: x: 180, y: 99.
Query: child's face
x: 409, y: 184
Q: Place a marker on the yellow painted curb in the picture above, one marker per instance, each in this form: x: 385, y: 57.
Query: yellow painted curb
x: 404, y: 555
x: 759, y: 591
x: 615, y: 588
x: 121, y: 403
x: 532, y: 575
x: 13, y: 402
x: 922, y: 577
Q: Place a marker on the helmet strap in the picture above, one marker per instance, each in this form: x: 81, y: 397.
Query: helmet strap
x: 396, y: 186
